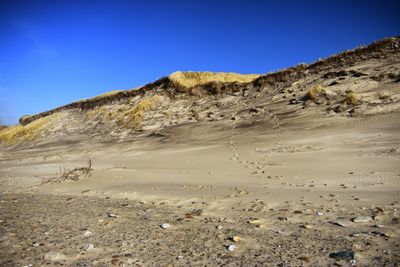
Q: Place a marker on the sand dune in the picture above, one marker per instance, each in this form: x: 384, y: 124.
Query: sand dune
x: 298, y: 168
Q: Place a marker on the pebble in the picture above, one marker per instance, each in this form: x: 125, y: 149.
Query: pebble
x: 346, y: 255
x: 87, y: 233
x: 231, y: 247
x: 165, y: 225
x: 53, y: 256
x: 111, y: 215
x: 236, y: 239
x: 342, y: 223
x: 88, y: 247
x: 362, y: 219
x: 219, y: 227
x: 306, y: 226
x: 319, y: 213
x: 257, y: 221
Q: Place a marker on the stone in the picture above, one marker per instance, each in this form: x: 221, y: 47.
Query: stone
x: 236, y: 239
x: 87, y: 233
x: 88, y: 247
x: 362, y: 219
x: 219, y: 227
x: 342, y: 223
x: 346, y: 255
x: 257, y: 221
x: 53, y: 256
x: 306, y: 226
x: 165, y: 225
x: 231, y: 247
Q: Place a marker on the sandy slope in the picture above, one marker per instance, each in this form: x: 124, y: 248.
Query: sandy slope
x: 299, y: 153
x: 283, y: 170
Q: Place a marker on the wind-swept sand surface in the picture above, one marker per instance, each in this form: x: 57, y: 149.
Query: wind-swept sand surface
x: 284, y: 191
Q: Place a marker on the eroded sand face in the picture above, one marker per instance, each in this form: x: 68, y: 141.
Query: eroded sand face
x: 300, y: 177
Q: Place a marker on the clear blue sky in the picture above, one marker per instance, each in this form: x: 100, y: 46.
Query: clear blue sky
x: 55, y: 52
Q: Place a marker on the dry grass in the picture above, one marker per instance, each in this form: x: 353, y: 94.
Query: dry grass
x: 191, y: 79
x: 133, y: 117
x: 111, y: 93
x: 314, y: 93
x: 28, y: 132
x: 351, y: 98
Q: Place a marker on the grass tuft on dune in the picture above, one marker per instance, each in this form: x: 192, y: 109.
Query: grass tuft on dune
x: 351, y: 98
x: 315, y: 92
x: 133, y: 117
x: 28, y: 132
x: 191, y: 79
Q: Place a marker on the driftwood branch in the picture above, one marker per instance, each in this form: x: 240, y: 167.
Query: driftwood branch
x: 73, y: 175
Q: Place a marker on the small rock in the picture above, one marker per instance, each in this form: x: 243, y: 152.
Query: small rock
x: 257, y: 221
x: 231, y: 247
x: 53, y: 256
x: 165, y: 225
x: 111, y: 215
x: 88, y: 247
x: 236, y: 239
x: 319, y: 213
x: 347, y: 255
x: 219, y: 227
x: 261, y: 226
x: 114, y: 261
x: 342, y: 223
x: 306, y: 226
x: 87, y: 233
x: 362, y: 219
x: 388, y: 234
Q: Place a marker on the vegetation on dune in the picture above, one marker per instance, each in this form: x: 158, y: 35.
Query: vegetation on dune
x: 191, y: 79
x: 29, y: 132
x: 107, y: 94
x: 315, y: 92
x: 133, y: 117
x: 110, y: 93
x: 351, y: 98
x: 126, y: 118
